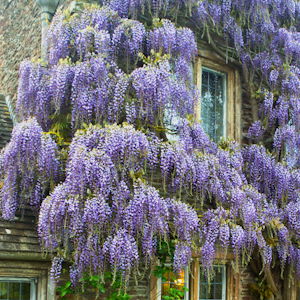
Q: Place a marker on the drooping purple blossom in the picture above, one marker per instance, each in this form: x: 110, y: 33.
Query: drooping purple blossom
x: 182, y: 256
x: 34, y: 93
x: 256, y: 130
x: 248, y: 188
x: 128, y: 38
x: 56, y: 268
x: 32, y: 153
x: 121, y: 250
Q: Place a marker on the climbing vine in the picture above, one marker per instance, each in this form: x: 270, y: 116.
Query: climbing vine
x: 92, y: 155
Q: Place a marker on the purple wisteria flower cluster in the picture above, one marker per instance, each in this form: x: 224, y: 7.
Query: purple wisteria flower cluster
x: 117, y: 191
x: 105, y: 217
x: 92, y: 72
x: 28, y: 165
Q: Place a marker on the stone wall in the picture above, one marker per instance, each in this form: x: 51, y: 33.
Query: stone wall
x: 19, y: 39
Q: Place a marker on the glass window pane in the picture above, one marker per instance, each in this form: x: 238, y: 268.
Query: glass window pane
x: 213, y: 98
x: 204, y: 291
x: 3, y: 290
x: 25, y: 290
x: 217, y: 291
x: 215, y: 288
x: 15, y: 289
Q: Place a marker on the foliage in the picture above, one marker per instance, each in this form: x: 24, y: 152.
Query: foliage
x: 174, y: 294
x: 97, y: 284
x: 124, y: 189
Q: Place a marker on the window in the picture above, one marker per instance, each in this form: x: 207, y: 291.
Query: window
x: 17, y: 288
x: 173, y: 285
x: 213, y: 103
x: 219, y: 108
x: 216, y: 288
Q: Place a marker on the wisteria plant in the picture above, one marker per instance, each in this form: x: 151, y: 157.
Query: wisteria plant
x: 92, y: 155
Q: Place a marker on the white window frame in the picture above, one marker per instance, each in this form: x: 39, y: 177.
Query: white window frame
x: 224, y: 283
x: 225, y: 103
x: 186, y: 285
x: 32, y: 281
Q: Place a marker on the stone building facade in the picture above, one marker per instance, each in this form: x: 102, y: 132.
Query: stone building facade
x: 20, y: 254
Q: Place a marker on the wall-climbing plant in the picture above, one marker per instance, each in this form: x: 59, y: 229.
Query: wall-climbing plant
x: 93, y: 144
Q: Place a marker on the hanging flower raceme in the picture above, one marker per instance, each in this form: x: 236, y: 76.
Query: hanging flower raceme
x: 29, y: 166
x: 122, y: 252
x: 62, y: 76
x: 85, y: 213
x: 177, y: 167
x: 122, y: 7
x: 220, y: 230
x: 264, y: 173
x: 126, y: 147
x: 113, y: 64
x: 256, y: 131
x: 59, y: 39
x: 287, y: 140
x: 91, y: 91
x: 210, y: 232
x: 78, y: 36
x: 128, y: 38
x: 293, y: 217
x: 157, y: 89
x: 212, y: 173
x: 182, y: 256
x: 166, y: 38
x: 34, y: 93
x: 193, y: 138
x: 147, y: 207
x: 185, y: 220
x: 163, y: 38
x: 134, y: 8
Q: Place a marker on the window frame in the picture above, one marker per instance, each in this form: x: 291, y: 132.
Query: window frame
x: 233, y: 278
x: 206, y: 59
x: 29, y: 266
x: 224, y: 282
x: 32, y: 281
x: 233, y: 91
x: 225, y: 89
